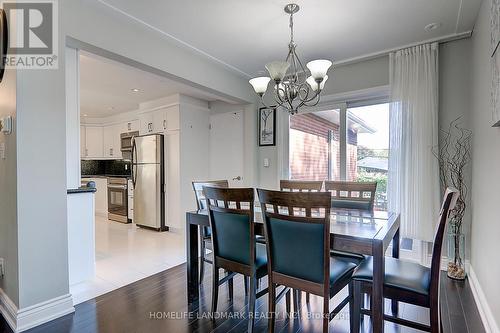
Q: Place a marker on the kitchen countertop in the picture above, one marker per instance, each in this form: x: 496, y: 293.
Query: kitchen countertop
x: 106, y: 176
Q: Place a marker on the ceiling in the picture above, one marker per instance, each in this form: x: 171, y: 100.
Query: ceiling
x: 246, y: 34
x: 106, y: 87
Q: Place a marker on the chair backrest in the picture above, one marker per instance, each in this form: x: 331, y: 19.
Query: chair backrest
x: 297, y: 226
x: 352, y: 195
x: 301, y: 185
x: 449, y: 202
x: 231, y: 216
x: 198, y: 190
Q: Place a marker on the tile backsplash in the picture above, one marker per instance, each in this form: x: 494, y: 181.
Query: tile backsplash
x: 105, y: 167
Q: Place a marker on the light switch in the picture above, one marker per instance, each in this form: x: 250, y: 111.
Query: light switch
x: 266, y: 162
x: 2, y: 151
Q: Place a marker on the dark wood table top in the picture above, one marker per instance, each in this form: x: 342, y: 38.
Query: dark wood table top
x: 344, y: 222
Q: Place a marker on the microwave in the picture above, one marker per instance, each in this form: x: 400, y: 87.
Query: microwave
x: 126, y: 144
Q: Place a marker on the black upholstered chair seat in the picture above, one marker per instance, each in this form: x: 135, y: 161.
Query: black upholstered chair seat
x: 354, y: 257
x: 351, y: 204
x: 399, y: 274
x: 340, y: 269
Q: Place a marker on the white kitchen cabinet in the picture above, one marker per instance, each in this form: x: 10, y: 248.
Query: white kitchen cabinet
x: 108, y: 132
x: 94, y: 141
x: 83, y: 143
x: 159, y: 121
x: 111, y: 141
x: 146, y: 121
x: 132, y: 126
x: 173, y: 118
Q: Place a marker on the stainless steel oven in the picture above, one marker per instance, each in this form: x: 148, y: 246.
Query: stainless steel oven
x: 118, y: 199
x: 126, y: 144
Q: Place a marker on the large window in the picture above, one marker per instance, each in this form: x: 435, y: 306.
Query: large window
x: 322, y: 148
x: 368, y: 159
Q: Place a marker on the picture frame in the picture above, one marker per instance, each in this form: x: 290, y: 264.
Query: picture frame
x: 267, y: 126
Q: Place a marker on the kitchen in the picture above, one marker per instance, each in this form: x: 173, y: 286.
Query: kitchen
x: 133, y: 140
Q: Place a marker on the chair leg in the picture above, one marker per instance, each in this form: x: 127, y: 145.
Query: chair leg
x: 230, y: 286
x: 326, y: 313
x: 394, y: 307
x: 251, y: 303
x: 245, y: 280
x: 356, y: 307
x: 296, y: 300
x: 435, y: 318
x: 215, y: 289
x: 288, y: 302
x: 272, y: 307
x: 351, y: 306
x: 202, y: 257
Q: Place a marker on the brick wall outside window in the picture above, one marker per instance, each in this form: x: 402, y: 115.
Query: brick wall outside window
x: 309, y: 149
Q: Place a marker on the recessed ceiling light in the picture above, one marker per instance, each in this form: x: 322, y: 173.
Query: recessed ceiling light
x: 85, y: 115
x: 432, y: 26
x: 135, y: 90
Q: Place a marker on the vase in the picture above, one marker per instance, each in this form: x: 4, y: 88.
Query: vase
x: 456, y: 255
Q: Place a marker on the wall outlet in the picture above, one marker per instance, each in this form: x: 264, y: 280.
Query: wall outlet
x: 2, y: 267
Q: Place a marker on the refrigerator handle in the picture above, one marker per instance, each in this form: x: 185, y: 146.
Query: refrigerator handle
x: 134, y: 154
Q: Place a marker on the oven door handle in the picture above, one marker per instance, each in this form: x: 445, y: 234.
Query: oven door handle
x: 119, y: 187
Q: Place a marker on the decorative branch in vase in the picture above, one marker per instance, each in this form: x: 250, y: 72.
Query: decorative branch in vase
x: 454, y: 155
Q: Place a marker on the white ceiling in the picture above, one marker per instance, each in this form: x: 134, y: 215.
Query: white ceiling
x: 246, y: 34
x: 106, y: 87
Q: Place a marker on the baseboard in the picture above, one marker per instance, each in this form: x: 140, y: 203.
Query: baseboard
x: 23, y: 319
x: 489, y: 322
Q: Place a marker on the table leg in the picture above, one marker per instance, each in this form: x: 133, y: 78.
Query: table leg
x: 192, y: 261
x: 378, y: 287
x: 395, y: 254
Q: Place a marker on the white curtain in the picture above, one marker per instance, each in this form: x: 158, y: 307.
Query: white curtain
x: 413, y: 185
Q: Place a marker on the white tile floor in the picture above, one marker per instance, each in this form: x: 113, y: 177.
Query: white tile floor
x: 125, y: 254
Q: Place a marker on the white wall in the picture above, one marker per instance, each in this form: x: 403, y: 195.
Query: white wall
x: 454, y: 99
x: 8, y: 194
x: 485, y: 168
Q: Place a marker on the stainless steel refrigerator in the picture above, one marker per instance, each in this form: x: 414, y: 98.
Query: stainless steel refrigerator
x: 148, y: 177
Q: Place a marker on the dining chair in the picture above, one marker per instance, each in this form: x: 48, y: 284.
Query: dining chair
x: 231, y: 217
x: 301, y: 185
x: 352, y: 195
x: 205, y: 241
x: 406, y: 281
x: 297, y: 228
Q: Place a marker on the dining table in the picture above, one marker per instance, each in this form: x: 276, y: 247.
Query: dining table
x: 351, y: 230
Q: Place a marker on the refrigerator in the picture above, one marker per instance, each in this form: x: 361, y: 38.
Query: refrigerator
x: 148, y: 178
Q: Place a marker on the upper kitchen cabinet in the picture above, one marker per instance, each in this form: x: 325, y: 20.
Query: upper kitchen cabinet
x: 111, y: 141
x: 132, y: 126
x: 173, y: 118
x: 159, y: 121
x: 146, y: 123
x: 93, y: 141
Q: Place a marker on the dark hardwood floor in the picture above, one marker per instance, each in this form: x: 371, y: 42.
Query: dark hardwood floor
x: 158, y: 304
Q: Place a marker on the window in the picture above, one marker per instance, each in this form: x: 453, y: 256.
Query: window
x: 314, y: 146
x: 368, y: 148
x: 315, y: 140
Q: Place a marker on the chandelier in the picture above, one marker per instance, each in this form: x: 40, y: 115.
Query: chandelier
x: 293, y: 88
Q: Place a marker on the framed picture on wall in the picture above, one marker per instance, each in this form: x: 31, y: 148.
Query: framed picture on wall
x: 267, y: 126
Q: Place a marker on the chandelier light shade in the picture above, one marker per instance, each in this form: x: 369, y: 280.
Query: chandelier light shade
x: 259, y: 84
x: 294, y: 86
x: 319, y: 68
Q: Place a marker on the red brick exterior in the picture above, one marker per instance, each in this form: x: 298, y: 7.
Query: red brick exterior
x: 309, y: 148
